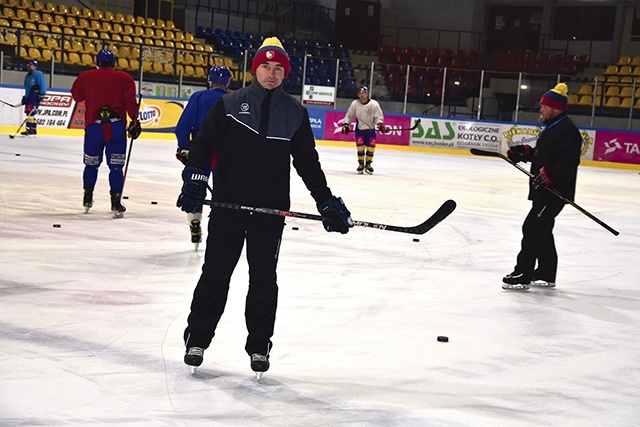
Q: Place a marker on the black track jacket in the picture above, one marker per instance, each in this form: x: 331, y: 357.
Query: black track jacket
x: 255, y: 144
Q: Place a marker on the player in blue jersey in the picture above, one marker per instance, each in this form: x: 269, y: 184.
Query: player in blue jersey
x: 190, y: 123
x: 35, y: 87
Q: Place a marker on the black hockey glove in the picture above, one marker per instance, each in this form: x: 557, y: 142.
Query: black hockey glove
x: 335, y: 215
x: 193, y: 191
x: 40, y: 98
x: 134, y: 130
x: 345, y: 128
x: 520, y: 153
x: 183, y: 155
x: 23, y: 101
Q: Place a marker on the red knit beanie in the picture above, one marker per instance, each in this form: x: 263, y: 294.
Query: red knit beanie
x: 556, y: 97
x: 271, y: 50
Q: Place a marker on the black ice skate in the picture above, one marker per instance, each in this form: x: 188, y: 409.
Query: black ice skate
x: 196, y: 232
x: 360, y: 169
x: 193, y: 357
x: 515, y: 281
x: 87, y: 200
x: 259, y: 364
x: 368, y: 169
x: 117, y: 207
x: 29, y: 132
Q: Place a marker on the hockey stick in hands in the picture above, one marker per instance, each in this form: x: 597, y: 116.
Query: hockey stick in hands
x: 390, y: 129
x: 438, y: 216
x: 33, y: 110
x: 386, y: 129
x: 479, y: 152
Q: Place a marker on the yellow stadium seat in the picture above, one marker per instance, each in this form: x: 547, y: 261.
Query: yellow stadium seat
x: 55, y: 29
x: 625, y: 70
x: 611, y: 69
x: 30, y: 26
x: 123, y: 63
x: 47, y: 54
x: 612, y: 91
x: 157, y: 67
x: 585, y: 100
x: 624, y: 60
x: 612, y: 101
x: 4, y: 23
x: 74, y: 58
x: 625, y: 103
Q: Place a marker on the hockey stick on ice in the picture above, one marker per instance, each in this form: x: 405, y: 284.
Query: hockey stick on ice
x: 10, y: 105
x: 555, y: 192
x: 439, y: 215
x: 126, y: 165
x: 23, y: 122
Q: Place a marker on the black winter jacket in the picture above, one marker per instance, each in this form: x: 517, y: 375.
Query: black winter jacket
x: 558, y: 150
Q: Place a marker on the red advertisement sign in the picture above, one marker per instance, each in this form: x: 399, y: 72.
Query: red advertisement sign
x: 397, y: 125
x: 619, y: 147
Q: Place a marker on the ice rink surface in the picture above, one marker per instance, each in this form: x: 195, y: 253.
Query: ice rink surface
x: 92, y: 312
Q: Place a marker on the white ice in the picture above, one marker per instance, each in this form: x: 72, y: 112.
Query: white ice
x: 92, y: 312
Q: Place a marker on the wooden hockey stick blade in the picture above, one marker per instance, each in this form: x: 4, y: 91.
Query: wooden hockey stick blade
x: 443, y: 211
x: 479, y: 152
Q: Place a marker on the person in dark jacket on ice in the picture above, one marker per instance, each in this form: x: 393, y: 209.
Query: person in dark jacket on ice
x: 554, y: 162
x: 255, y: 131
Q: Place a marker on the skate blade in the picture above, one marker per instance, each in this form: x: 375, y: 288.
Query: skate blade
x: 542, y: 284
x: 517, y: 287
x: 195, y: 246
x: 86, y: 209
x: 259, y: 376
x: 193, y: 370
x: 117, y: 214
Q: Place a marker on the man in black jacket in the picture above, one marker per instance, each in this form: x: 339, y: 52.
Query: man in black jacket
x: 255, y: 132
x: 554, y: 161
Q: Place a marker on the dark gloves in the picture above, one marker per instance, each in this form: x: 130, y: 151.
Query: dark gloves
x: 382, y: 128
x: 183, y: 155
x: 134, y: 130
x: 40, y: 97
x: 520, y: 153
x: 345, y: 128
x: 193, y: 191
x: 542, y: 180
x: 24, y: 100
x: 335, y: 215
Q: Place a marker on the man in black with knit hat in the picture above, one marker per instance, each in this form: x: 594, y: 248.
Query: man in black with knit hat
x: 554, y: 161
x: 255, y: 131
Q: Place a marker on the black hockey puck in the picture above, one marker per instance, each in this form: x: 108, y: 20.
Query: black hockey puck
x: 442, y: 338
x: 125, y: 197
x: 17, y: 154
x: 154, y: 203
x: 416, y: 240
x: 294, y: 228
x: 56, y: 225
